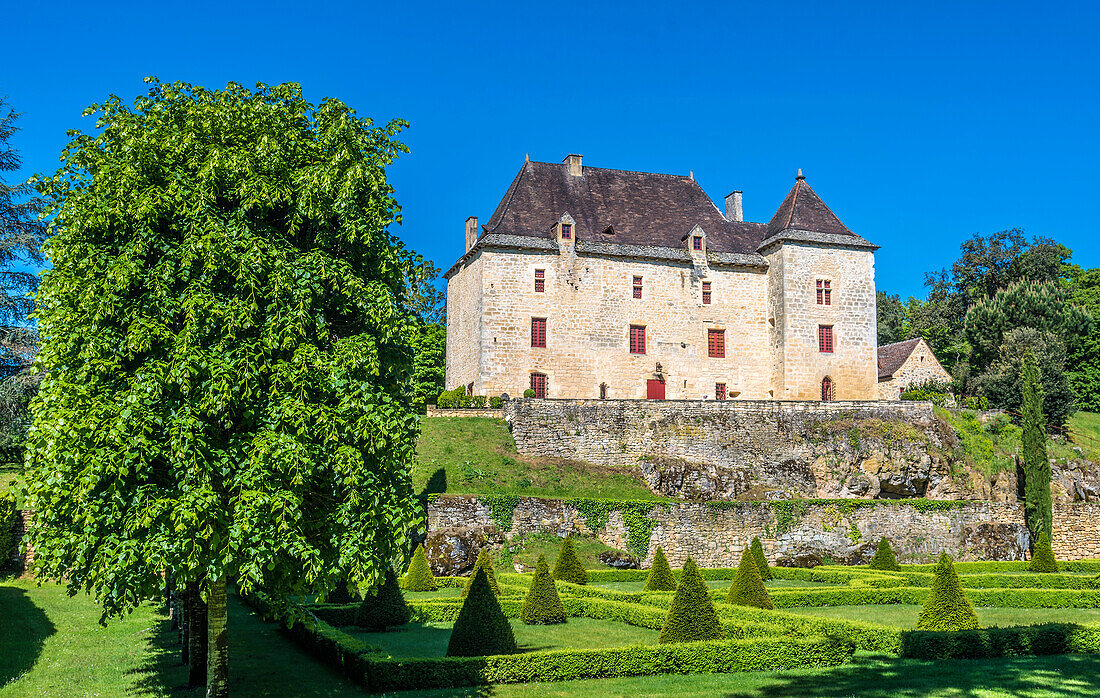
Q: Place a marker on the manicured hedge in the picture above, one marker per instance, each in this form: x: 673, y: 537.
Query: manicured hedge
x: 1052, y: 638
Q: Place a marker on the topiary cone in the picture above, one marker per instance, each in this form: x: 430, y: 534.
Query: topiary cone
x: 481, y: 628
x: 384, y: 608
x: 691, y: 617
x: 660, y: 576
x: 884, y: 557
x: 761, y: 561
x: 542, y: 605
x: 748, y: 588
x: 419, y: 575
x: 947, y: 607
x: 483, y: 562
x: 1042, y: 560
x: 568, y: 567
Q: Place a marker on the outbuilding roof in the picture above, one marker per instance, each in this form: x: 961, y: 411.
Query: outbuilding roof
x: 891, y: 357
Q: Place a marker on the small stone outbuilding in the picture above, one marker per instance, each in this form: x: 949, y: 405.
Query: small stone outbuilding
x: 908, y: 363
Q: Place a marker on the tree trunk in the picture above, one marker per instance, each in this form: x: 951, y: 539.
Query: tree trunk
x: 196, y: 636
x: 184, y: 607
x: 217, y: 674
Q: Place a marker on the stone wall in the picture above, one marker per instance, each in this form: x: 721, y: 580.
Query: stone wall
x: 434, y: 411
x: 715, y: 534
x: 921, y: 366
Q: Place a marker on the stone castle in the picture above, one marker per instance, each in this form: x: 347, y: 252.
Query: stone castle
x: 597, y: 283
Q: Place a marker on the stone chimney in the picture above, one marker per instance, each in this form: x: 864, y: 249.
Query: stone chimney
x: 573, y: 162
x: 733, y: 207
x: 471, y: 232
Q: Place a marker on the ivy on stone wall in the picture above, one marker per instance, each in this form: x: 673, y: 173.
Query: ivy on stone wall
x: 635, y: 513
x: 501, y: 508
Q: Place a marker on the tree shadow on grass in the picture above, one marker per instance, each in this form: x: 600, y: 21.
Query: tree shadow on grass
x: 23, y: 630
x: 161, y: 670
x: 879, y: 677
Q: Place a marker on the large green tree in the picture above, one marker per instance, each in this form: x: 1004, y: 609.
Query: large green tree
x: 225, y: 356
x: 1083, y: 361
x: 429, y: 343
x: 1037, y: 476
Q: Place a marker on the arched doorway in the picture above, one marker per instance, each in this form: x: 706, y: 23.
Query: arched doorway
x: 828, y: 390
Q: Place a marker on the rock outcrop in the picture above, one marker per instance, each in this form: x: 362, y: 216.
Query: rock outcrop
x: 452, y: 550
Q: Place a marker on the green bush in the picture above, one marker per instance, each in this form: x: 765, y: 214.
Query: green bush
x: 385, y: 608
x: 568, y: 567
x: 947, y: 607
x: 478, y: 401
x: 987, y: 643
x: 884, y: 557
x: 419, y: 575
x: 748, y: 588
x: 496, y: 402
x: 761, y: 561
x: 976, y: 403
x: 542, y: 605
x: 691, y: 618
x: 481, y: 628
x: 453, y: 399
x: 342, y: 595
x: 660, y: 576
x: 1042, y: 559
x: 486, y: 563
x: 530, y: 392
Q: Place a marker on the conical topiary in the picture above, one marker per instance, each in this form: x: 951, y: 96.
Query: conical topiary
x: 542, y: 605
x: 1042, y: 560
x: 691, y: 617
x: 385, y: 608
x: 341, y: 594
x: 947, y: 607
x: 568, y: 567
x: 884, y: 558
x: 660, y: 574
x: 419, y: 575
x: 761, y: 561
x: 748, y: 588
x: 484, y: 562
x: 481, y: 628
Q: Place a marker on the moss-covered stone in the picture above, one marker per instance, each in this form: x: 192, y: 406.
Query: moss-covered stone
x: 385, y: 608
x: 947, y: 607
x: 748, y: 588
x: 660, y: 576
x: 481, y: 628
x: 543, y: 605
x: 691, y: 617
x: 884, y: 558
x: 761, y: 561
x: 568, y: 567
x: 483, y: 562
x: 419, y: 576
x: 1042, y: 559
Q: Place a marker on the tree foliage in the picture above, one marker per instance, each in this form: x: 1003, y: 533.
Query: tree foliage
x: 691, y: 617
x: 1038, y: 510
x: 543, y: 605
x: 1001, y: 383
x: 893, y: 318
x: 224, y: 345
x: 1042, y: 556
x: 429, y: 344
x: 946, y: 607
x: 660, y: 577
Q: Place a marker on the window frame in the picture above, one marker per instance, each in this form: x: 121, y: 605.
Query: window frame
x: 826, y: 341
x: 825, y: 292
x: 636, y: 286
x: 538, y: 332
x: 539, y: 383
x: 637, y: 340
x: 706, y: 293
x: 697, y: 243
x: 540, y: 281
x: 716, y: 343
x: 566, y: 231
x: 720, y: 391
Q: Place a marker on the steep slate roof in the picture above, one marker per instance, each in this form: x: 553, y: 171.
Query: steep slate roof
x: 803, y: 209
x: 891, y: 357
x: 642, y: 208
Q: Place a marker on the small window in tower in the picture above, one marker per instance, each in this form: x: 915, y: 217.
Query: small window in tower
x: 825, y: 339
x: 538, y: 384
x: 637, y: 339
x: 697, y: 242
x: 638, y: 287
x: 566, y: 231
x: 719, y: 391
x: 706, y: 293
x: 828, y: 390
x: 540, y: 281
x: 716, y: 344
x: 824, y: 292
x: 538, y: 332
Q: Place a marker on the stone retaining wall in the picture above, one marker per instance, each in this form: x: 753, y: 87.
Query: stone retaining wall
x: 434, y: 411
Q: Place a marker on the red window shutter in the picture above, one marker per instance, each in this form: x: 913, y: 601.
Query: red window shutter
x: 828, y: 293
x: 719, y: 391
x: 825, y: 338
x: 540, y: 280
x: 566, y: 231
x: 706, y: 293
x: 716, y: 344
x: 697, y: 242
x: 637, y: 287
x: 637, y: 339
x: 538, y: 332
x: 820, y: 295
x: 538, y: 384
x: 826, y: 389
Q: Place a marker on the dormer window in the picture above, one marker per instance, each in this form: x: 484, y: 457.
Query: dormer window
x: 566, y: 231
x: 697, y: 243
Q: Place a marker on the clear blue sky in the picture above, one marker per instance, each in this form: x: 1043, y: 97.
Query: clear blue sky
x: 918, y: 123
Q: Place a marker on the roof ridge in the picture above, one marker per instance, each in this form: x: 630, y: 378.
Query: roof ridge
x: 612, y: 169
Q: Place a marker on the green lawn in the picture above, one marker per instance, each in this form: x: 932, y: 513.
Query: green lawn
x: 430, y: 639
x: 534, y: 544
x: 1084, y: 429
x: 478, y: 456
x: 712, y: 583
x: 905, y: 616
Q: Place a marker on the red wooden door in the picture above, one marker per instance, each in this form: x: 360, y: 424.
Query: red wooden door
x: 655, y: 389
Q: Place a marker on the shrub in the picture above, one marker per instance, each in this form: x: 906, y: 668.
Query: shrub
x: 542, y: 605
x: 484, y: 562
x: 884, y: 557
x: 419, y: 575
x: 341, y: 594
x: 946, y: 607
x: 691, y: 617
x: 385, y: 608
x: 660, y: 574
x: 478, y: 401
x: 748, y: 588
x: 8, y: 542
x: 568, y: 567
x: 1042, y: 559
x: 530, y: 392
x: 481, y: 628
x: 1050, y: 638
x: 496, y: 402
x: 761, y: 561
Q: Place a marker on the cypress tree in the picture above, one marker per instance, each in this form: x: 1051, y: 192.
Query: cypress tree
x: 947, y: 607
x: 568, y: 567
x: 484, y: 562
x: 1042, y: 560
x: 884, y: 557
x: 1037, y: 504
x: 384, y: 608
x: 748, y: 588
x: 691, y: 617
x: 542, y: 605
x: 481, y: 628
x: 761, y: 561
x: 419, y: 575
x: 660, y: 574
